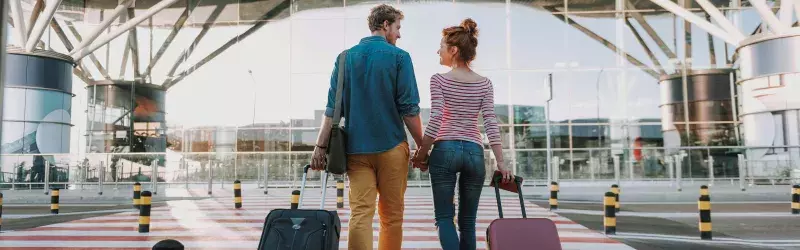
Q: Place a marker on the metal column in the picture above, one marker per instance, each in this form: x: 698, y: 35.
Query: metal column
x: 210, y: 177
x: 616, y: 169
x: 154, y: 176
x: 266, y: 175
x: 46, y: 177
x: 678, y: 170
x: 101, y: 177
x: 710, y: 170
x: 742, y: 171
x: 3, y: 16
x: 549, y: 88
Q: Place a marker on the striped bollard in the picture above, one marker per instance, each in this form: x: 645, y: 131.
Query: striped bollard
x: 340, y: 193
x: 54, y: 201
x: 1, y: 210
x: 704, y: 205
x: 144, y: 212
x: 295, y: 199
x: 795, y: 199
x: 554, y: 195
x: 610, y: 216
x: 237, y: 194
x: 615, y: 190
x: 137, y: 194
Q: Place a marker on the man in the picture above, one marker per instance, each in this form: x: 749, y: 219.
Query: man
x: 379, y: 95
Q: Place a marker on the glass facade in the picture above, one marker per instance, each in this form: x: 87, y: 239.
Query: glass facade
x: 246, y: 82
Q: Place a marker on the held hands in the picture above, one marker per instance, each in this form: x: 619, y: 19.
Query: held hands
x: 420, y: 160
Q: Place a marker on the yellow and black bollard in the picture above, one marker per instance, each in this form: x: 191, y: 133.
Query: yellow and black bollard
x: 295, y: 199
x: 237, y: 194
x: 340, y: 193
x: 1, y: 210
x: 610, y: 215
x: 137, y: 194
x: 795, y: 199
x: 144, y: 212
x: 554, y: 195
x: 704, y: 205
x: 615, y: 190
x: 54, y: 201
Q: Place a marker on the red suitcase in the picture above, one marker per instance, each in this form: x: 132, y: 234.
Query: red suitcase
x: 517, y: 234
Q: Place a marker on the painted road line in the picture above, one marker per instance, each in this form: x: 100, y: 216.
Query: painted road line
x: 677, y: 215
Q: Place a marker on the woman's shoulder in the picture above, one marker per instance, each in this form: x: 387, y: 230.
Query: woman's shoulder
x: 470, y: 78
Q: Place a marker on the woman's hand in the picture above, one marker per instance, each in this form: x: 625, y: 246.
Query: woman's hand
x: 506, y: 172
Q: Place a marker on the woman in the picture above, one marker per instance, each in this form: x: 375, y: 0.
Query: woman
x: 458, y: 97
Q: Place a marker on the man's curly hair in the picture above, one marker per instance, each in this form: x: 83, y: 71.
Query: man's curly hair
x: 382, y: 13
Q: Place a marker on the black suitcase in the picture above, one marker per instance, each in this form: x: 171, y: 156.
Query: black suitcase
x: 302, y: 229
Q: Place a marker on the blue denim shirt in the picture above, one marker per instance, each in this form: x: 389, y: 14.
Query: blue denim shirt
x: 379, y: 89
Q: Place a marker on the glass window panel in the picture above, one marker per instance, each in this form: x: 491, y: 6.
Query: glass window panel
x: 640, y: 94
x: 14, y: 103
x: 317, y: 9
x: 277, y: 140
x: 538, y: 39
x: 250, y: 140
x: 39, y: 105
x: 529, y: 96
x: 257, y: 10
x: 587, y: 50
x: 532, y: 164
x: 13, y: 142
x: 591, y: 136
x: 305, y: 139
x: 535, y: 137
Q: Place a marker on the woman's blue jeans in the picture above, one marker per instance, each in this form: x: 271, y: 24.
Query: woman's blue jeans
x: 446, y: 160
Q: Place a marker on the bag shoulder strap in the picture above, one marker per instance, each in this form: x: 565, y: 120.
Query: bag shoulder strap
x: 337, y: 111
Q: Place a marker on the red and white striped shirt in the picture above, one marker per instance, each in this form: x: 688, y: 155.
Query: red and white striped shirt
x: 455, y: 107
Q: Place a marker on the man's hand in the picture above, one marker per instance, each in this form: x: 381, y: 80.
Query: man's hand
x: 319, y: 159
x: 420, y: 160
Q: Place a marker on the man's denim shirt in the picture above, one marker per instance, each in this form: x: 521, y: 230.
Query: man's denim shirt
x: 379, y: 89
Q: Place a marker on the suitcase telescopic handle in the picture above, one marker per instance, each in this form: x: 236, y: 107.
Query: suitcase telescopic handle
x: 517, y: 181
x: 324, y: 186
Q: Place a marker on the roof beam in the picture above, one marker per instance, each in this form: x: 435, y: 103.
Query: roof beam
x: 37, y: 9
x: 134, y: 47
x: 122, y: 29
x: 651, y: 32
x: 175, y: 29
x: 767, y: 15
x: 603, y: 41
x: 720, y: 18
x: 41, y: 24
x: 786, y: 12
x: 645, y: 47
x: 99, y: 29
x: 19, y: 22
x: 711, y: 50
x: 212, y: 18
x: 259, y: 23
x: 696, y: 20
x: 78, y: 38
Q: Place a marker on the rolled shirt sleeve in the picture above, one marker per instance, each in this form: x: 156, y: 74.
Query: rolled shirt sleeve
x: 329, y: 107
x: 407, y: 98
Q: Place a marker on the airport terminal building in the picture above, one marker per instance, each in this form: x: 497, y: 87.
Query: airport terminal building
x: 190, y: 90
